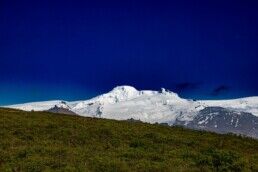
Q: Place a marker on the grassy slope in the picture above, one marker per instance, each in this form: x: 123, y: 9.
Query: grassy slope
x: 37, y: 141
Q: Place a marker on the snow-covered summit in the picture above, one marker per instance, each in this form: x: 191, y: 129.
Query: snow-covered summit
x: 124, y: 89
x: 120, y: 93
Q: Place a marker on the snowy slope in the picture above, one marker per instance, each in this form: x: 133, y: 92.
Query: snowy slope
x: 126, y: 102
x: 38, y: 106
x: 248, y: 104
x: 222, y: 120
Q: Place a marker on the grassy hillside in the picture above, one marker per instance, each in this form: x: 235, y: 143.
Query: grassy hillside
x: 41, y: 141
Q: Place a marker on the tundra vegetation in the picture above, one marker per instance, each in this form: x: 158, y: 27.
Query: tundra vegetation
x: 43, y: 141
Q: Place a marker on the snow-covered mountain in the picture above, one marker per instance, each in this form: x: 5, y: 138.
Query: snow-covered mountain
x: 124, y: 102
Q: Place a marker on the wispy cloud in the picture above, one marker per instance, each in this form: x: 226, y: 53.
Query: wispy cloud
x: 187, y: 86
x: 220, y: 90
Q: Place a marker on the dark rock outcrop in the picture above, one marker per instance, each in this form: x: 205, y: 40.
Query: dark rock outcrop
x: 61, y: 110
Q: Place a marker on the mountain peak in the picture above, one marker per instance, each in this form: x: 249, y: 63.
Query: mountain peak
x: 121, y: 93
x: 125, y: 88
x: 168, y: 92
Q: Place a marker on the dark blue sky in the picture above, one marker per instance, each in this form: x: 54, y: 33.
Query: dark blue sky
x: 77, y: 49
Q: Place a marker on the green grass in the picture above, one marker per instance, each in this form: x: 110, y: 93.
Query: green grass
x: 41, y: 141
